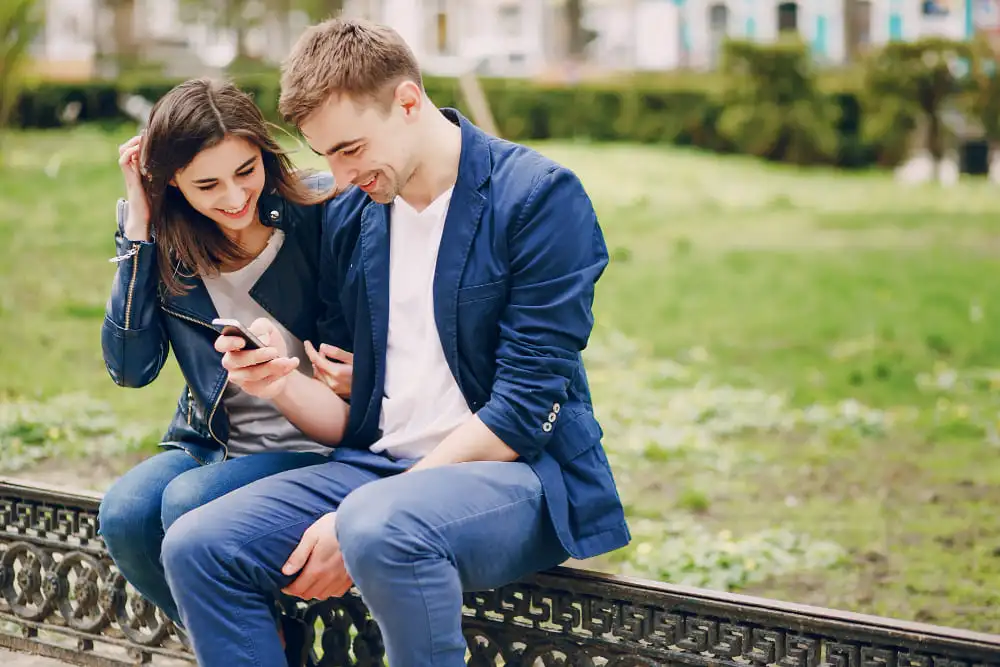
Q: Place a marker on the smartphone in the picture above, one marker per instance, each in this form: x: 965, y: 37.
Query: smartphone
x: 234, y: 328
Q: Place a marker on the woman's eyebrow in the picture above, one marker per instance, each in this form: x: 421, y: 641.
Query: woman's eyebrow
x: 202, y: 181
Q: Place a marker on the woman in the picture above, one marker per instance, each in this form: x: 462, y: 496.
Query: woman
x: 216, y: 224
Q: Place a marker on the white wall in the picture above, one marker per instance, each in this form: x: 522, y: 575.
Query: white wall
x: 657, y: 35
x: 68, y: 34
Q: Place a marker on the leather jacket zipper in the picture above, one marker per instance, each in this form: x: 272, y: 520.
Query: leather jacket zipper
x: 218, y: 399
x: 131, y: 285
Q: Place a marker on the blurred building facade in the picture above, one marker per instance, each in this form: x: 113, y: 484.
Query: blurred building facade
x: 528, y: 37
x: 503, y: 37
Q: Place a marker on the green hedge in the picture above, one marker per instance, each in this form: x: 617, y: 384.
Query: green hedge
x: 680, y: 110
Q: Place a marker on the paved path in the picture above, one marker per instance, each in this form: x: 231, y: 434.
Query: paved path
x: 11, y: 659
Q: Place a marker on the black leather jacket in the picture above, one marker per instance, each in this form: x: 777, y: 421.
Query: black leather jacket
x: 142, y: 321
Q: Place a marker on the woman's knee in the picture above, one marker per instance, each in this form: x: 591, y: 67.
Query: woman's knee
x: 130, y: 510
x: 128, y: 517
x: 183, y: 494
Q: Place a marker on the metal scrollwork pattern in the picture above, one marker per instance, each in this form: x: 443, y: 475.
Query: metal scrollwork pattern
x: 61, y: 596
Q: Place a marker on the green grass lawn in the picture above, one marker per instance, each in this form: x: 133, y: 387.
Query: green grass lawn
x: 797, y: 371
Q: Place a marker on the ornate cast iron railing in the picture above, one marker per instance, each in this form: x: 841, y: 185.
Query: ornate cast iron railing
x: 61, y: 597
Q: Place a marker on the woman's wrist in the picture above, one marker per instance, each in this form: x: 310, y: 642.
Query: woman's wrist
x: 136, y: 231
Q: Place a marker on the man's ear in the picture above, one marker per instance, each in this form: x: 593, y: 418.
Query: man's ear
x: 409, y: 96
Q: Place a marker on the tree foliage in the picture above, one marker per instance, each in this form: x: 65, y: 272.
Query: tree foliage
x: 20, y: 22
x: 909, y: 86
x: 772, y: 105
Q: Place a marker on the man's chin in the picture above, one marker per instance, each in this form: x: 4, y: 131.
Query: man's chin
x: 381, y: 197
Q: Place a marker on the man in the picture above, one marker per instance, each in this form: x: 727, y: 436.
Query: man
x: 459, y: 269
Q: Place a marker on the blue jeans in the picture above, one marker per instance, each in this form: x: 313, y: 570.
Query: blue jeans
x: 145, y: 501
x: 412, y: 543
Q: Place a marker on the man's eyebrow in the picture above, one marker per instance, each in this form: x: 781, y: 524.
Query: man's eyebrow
x: 336, y: 148
x: 202, y: 181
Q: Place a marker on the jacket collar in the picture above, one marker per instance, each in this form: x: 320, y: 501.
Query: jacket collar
x: 468, y: 200
x: 272, y: 209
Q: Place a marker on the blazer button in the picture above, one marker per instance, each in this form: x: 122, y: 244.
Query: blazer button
x: 556, y: 407
x: 552, y: 416
x: 274, y: 215
x: 547, y: 426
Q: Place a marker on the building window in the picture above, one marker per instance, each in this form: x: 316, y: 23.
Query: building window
x: 718, y: 26
x: 439, y: 18
x: 935, y: 7
x: 788, y: 17
x: 510, y: 20
x: 861, y: 26
x: 442, y: 32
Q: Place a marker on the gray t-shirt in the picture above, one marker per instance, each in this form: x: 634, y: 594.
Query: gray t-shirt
x: 255, y: 424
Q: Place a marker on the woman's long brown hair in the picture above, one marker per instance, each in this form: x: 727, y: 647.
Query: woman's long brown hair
x: 193, y: 116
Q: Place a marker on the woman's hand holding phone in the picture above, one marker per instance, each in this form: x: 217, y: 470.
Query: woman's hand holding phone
x: 261, y: 372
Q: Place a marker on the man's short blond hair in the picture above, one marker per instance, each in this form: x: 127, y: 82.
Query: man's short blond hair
x: 340, y: 56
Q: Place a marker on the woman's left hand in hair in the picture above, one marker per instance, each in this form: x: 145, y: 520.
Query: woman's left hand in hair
x: 262, y: 372
x: 333, y: 367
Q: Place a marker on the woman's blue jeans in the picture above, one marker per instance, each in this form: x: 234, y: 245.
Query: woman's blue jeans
x: 137, y: 510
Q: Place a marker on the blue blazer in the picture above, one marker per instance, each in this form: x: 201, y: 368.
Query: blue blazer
x: 520, y: 254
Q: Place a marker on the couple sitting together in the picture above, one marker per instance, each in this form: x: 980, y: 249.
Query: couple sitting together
x: 418, y: 421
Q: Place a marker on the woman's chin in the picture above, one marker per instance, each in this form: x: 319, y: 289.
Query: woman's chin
x: 234, y: 224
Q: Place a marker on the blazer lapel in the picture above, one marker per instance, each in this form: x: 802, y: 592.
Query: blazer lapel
x: 375, y: 263
x: 464, y: 214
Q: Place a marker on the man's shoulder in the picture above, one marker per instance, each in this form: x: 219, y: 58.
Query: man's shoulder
x: 522, y: 175
x: 519, y: 165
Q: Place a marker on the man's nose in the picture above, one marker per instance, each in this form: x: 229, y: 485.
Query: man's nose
x: 343, y: 176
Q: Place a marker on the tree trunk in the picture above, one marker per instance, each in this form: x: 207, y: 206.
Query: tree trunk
x: 994, y: 162
x: 935, y: 136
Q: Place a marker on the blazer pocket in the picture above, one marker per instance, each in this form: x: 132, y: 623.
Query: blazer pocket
x: 482, y: 292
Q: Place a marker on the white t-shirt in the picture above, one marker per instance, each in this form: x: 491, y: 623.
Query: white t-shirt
x: 422, y: 403
x: 256, y: 425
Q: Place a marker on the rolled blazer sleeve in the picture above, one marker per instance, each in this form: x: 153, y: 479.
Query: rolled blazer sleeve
x: 557, y: 253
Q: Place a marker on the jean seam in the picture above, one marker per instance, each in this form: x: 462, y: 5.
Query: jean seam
x: 427, y: 609
x: 437, y: 530
x: 491, y: 510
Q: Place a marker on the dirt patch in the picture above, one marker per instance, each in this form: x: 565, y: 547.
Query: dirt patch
x: 93, y: 474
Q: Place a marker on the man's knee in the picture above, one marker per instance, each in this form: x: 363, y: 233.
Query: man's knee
x: 376, y: 529
x: 192, y: 545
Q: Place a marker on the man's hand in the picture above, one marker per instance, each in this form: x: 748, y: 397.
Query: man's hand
x: 318, y: 561
x: 336, y: 376
x: 263, y: 372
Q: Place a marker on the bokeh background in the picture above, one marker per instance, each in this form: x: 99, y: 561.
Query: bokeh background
x: 797, y: 353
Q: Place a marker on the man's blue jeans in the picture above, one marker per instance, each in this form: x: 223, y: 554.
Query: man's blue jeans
x: 145, y: 501
x: 411, y: 542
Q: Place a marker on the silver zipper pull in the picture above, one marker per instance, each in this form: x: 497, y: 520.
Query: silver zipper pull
x: 133, y: 251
